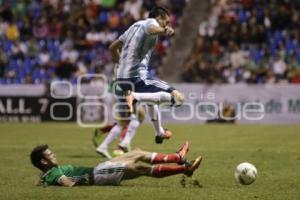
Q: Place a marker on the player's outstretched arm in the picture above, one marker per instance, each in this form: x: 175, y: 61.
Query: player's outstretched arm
x: 158, y: 30
x: 38, y: 182
x: 115, y: 49
x: 65, y: 181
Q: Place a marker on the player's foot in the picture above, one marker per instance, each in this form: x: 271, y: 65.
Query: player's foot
x: 126, y: 148
x: 182, y: 152
x: 104, y: 153
x: 130, y: 101
x: 190, y: 169
x: 160, y: 138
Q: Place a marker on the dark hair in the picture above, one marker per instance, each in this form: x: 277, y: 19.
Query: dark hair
x: 158, y: 11
x: 37, y: 154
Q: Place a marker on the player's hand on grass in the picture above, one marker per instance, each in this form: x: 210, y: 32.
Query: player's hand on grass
x: 38, y: 182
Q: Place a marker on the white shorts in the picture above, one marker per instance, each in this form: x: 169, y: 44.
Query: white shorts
x: 109, y: 173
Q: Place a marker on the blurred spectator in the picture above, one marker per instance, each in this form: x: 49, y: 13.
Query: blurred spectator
x: 6, y: 11
x: 65, y: 69
x: 295, y: 77
x: 44, y: 57
x: 3, y: 27
x: 40, y: 29
x: 92, y: 36
x: 32, y: 47
x: 3, y: 62
x: 19, y: 50
x: 54, y: 28
x: 247, y: 41
x: 134, y: 8
x: 12, y: 31
x: 45, y: 40
x: 113, y: 20
x: 279, y: 68
x: 237, y: 57
x: 70, y: 54
x: 25, y: 29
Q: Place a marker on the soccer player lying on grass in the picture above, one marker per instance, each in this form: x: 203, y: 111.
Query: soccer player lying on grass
x: 127, y: 166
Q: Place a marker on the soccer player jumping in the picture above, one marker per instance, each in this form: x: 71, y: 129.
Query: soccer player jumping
x: 132, y: 51
x: 127, y: 166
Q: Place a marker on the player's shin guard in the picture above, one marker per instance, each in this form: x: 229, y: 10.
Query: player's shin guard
x: 123, y: 133
x: 156, y: 119
x: 160, y: 171
x: 133, y: 125
x: 114, y: 132
x: 165, y: 158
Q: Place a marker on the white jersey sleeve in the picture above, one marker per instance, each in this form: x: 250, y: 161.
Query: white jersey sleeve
x: 150, y: 22
x: 124, y: 36
x: 136, y: 50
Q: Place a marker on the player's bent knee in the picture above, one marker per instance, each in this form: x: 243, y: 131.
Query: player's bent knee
x: 143, y: 169
x: 136, y: 170
x: 141, y: 114
x: 124, y: 123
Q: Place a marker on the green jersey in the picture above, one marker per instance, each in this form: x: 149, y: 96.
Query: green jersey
x: 81, y: 175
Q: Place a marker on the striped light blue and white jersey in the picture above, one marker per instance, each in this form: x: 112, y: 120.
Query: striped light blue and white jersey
x: 137, y: 48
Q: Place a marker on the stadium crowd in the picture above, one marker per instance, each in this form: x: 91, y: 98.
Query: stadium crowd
x: 247, y: 41
x: 44, y: 40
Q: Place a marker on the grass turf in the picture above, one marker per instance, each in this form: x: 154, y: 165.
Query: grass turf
x: 274, y: 150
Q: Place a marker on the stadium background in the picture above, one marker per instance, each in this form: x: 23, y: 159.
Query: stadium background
x: 239, y: 51
x: 252, y: 47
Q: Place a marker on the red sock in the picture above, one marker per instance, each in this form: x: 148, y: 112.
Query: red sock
x: 165, y: 158
x: 160, y: 171
x: 107, y: 128
x: 123, y: 133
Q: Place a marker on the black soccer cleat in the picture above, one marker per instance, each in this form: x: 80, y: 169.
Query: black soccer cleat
x: 160, y: 138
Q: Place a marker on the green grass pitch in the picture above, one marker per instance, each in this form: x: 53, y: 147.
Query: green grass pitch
x: 274, y: 150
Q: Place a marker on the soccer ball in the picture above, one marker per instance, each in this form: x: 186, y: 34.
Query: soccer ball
x: 245, y: 173
x: 118, y: 152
